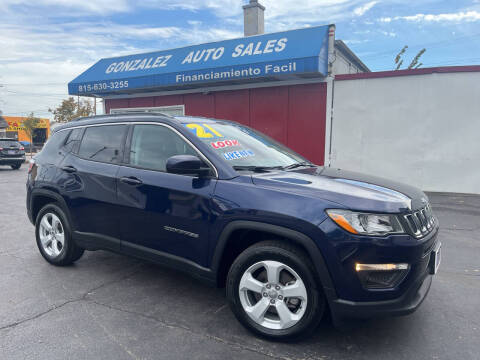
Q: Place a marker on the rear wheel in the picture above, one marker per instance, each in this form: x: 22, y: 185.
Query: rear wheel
x: 272, y: 291
x: 16, y: 166
x: 54, y: 238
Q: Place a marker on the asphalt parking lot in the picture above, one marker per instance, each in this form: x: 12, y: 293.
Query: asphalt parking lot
x: 109, y: 306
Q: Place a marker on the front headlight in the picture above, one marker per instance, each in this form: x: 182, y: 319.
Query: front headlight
x: 365, y: 223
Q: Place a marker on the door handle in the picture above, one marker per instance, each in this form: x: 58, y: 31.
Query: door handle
x: 131, y: 180
x: 69, y: 169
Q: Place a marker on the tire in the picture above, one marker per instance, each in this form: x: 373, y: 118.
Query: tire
x: 49, y: 237
x: 16, y: 166
x: 304, y: 311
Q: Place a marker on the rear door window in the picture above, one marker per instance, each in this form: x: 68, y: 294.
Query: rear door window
x: 103, y: 143
x: 73, y: 141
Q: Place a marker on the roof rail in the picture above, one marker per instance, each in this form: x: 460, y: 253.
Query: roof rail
x: 126, y: 113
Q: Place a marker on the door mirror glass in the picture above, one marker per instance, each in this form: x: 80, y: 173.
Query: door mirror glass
x: 187, y: 165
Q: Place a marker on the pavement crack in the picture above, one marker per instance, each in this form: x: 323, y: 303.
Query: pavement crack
x: 112, y: 336
x: 36, y: 316
x: 166, y: 324
x: 83, y: 297
x: 137, y: 269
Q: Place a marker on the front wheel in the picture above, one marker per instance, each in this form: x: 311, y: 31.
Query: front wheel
x: 272, y: 291
x: 16, y: 166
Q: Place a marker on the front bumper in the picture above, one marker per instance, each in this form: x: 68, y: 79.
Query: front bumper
x: 406, y: 304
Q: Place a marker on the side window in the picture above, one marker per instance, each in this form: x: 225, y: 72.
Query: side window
x: 103, y: 143
x: 73, y: 141
x: 51, y: 148
x: 152, y: 145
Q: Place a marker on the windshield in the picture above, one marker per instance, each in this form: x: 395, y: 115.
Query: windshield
x: 242, y: 147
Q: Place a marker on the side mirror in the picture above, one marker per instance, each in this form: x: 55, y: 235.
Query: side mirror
x: 187, y: 165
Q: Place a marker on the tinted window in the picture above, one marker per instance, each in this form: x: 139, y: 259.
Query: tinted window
x: 152, y: 145
x: 53, y: 144
x: 9, y: 143
x: 103, y: 143
x: 73, y: 140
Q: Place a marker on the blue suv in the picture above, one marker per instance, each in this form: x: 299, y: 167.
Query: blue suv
x: 288, y: 239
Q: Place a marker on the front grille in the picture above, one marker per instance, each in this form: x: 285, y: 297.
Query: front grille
x: 421, y: 222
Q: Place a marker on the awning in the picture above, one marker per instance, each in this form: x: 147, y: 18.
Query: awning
x: 291, y: 54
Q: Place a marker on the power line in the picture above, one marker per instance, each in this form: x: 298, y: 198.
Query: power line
x: 21, y: 84
x: 386, y: 53
x: 41, y: 111
x: 39, y: 96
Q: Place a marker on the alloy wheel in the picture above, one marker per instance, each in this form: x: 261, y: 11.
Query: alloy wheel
x: 52, y: 235
x: 273, y: 295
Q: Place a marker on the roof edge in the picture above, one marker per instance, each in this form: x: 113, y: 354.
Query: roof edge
x: 421, y: 71
x: 341, y: 46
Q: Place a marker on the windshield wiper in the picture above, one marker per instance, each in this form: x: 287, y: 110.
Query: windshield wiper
x: 257, y: 168
x: 299, y: 164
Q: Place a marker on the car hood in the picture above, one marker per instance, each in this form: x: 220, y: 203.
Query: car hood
x: 353, y: 190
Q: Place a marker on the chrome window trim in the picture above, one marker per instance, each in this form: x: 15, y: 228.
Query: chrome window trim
x: 204, y: 157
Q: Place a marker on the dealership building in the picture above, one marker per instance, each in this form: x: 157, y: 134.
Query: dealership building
x: 276, y: 83
x: 310, y: 92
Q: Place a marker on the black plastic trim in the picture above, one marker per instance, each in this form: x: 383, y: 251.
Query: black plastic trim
x: 174, y: 262
x: 47, y: 193
x: 92, y: 241
x: 293, y: 235
x: 406, y: 304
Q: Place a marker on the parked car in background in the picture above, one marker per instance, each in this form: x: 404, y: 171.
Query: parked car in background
x: 288, y: 239
x: 12, y: 153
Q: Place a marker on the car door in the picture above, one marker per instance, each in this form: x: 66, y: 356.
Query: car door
x: 88, y: 181
x: 162, y: 212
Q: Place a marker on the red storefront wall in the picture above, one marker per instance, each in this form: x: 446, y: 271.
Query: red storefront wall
x: 294, y: 115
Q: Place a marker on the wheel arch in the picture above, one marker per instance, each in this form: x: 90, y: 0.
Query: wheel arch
x: 42, y: 197
x: 227, y: 239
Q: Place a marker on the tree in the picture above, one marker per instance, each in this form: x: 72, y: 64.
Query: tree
x: 71, y: 109
x: 414, y: 64
x: 30, y: 124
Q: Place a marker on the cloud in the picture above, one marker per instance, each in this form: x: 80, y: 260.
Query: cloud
x: 88, y: 7
x: 361, y: 10
x: 388, y: 33
x: 462, y: 16
x: 38, y: 61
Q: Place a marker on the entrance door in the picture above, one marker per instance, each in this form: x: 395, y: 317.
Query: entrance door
x: 162, y: 212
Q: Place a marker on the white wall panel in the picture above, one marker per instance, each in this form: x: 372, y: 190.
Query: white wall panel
x: 423, y: 130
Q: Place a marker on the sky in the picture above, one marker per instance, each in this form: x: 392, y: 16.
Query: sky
x: 44, y: 44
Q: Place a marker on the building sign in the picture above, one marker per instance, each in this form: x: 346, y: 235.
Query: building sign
x: 16, y: 124
x: 279, y: 55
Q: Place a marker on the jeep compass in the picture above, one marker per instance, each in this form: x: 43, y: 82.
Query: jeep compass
x: 289, y: 240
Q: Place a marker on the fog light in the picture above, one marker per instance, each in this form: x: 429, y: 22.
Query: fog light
x: 381, y: 276
x: 380, y: 267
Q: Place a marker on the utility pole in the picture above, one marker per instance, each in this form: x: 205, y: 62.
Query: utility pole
x: 94, y: 106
